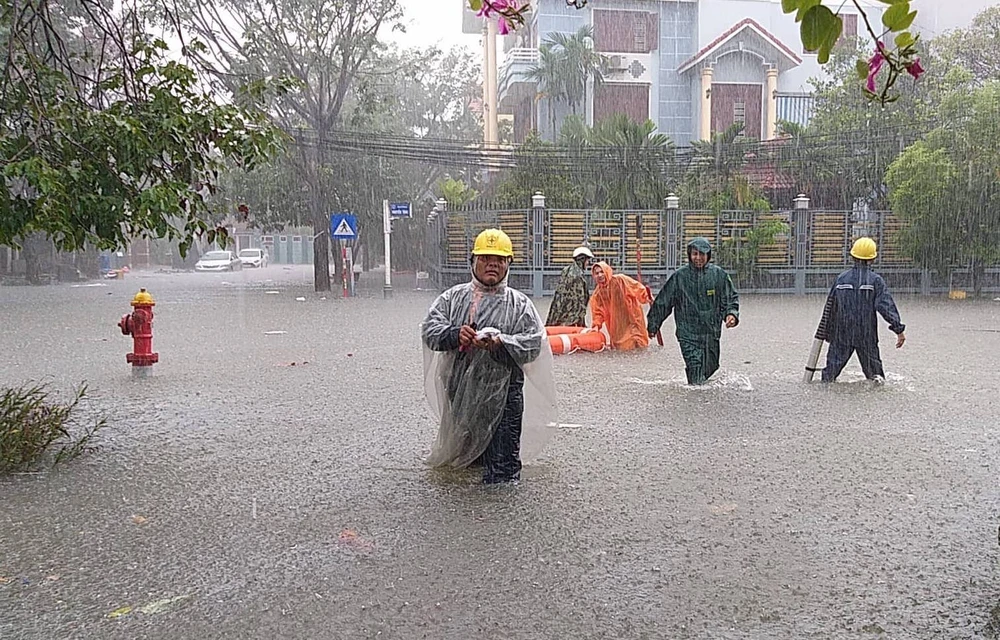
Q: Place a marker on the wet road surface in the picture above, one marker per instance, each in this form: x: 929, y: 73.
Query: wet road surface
x: 235, y: 496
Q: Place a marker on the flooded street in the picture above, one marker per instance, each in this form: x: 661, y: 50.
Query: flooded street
x: 236, y: 495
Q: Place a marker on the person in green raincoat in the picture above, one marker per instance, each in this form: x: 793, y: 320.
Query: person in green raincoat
x: 702, y: 298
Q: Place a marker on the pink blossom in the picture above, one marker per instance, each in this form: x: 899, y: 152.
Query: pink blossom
x: 490, y: 6
x: 875, y: 65
x: 503, y: 26
x: 915, y: 69
x: 485, y: 10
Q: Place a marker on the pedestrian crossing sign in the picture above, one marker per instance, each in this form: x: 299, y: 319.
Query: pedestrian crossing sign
x: 343, y: 226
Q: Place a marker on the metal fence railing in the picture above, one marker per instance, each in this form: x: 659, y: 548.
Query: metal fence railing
x: 771, y: 251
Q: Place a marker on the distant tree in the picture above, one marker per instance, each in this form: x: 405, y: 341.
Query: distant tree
x: 946, y: 187
x: 104, y: 138
x: 323, y: 45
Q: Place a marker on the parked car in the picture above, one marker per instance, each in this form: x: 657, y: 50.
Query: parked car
x: 218, y: 261
x: 256, y: 258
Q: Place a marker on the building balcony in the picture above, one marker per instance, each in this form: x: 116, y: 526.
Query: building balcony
x: 511, y: 79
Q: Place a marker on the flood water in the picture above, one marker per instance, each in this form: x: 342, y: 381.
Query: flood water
x: 236, y: 495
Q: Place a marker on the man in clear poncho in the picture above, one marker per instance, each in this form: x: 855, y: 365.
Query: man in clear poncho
x: 488, y: 369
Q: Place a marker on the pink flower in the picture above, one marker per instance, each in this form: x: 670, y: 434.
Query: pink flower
x: 485, y: 10
x: 489, y: 6
x: 503, y: 26
x: 915, y: 69
x: 875, y: 65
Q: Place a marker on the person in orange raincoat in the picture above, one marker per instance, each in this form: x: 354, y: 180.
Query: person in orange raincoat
x: 617, y: 305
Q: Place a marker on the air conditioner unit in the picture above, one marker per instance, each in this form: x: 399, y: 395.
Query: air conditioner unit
x: 616, y: 63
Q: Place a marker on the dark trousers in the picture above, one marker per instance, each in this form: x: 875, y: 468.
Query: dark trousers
x: 701, y: 357
x: 840, y: 352
x: 502, y: 459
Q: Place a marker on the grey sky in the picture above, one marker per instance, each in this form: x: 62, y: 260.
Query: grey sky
x: 434, y: 22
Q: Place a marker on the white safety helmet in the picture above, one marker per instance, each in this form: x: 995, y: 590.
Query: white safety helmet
x: 582, y: 251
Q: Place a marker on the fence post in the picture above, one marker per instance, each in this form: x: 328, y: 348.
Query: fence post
x: 801, y: 222
x: 925, y: 282
x: 437, y: 258
x: 672, y: 204
x: 538, y: 244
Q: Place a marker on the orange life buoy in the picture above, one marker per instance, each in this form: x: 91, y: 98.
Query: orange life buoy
x: 559, y: 331
x: 564, y: 340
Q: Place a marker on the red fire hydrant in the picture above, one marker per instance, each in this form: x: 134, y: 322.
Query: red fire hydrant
x: 139, y: 324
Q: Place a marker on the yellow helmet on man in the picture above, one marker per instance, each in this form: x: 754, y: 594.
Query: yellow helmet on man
x: 493, y: 242
x: 864, y: 249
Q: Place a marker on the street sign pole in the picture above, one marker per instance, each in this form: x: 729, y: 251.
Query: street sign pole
x: 387, y: 230
x: 343, y: 264
x: 350, y: 268
x: 344, y: 227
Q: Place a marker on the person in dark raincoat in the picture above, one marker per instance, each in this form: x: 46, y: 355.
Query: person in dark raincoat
x: 702, y: 298
x: 857, y: 295
x: 569, y: 306
x: 484, y: 341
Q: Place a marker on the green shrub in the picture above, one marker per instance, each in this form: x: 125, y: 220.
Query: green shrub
x: 33, y: 425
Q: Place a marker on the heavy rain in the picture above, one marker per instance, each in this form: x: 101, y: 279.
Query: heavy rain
x: 607, y: 319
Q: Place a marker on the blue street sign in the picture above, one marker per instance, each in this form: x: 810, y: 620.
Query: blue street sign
x: 399, y: 210
x: 343, y: 226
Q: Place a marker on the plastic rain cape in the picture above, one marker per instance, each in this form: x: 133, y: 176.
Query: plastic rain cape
x: 467, y: 392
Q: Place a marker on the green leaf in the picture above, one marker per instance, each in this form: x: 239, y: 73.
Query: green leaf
x: 788, y: 6
x: 804, y: 7
x: 905, y: 24
x: 820, y: 29
x: 905, y: 39
x: 823, y: 55
x: 861, y: 67
x: 898, y: 17
x: 476, y: 5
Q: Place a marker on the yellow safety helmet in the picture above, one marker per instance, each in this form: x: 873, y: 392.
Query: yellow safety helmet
x: 493, y: 242
x: 864, y: 249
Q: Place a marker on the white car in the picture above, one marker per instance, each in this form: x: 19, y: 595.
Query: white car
x: 256, y: 258
x: 218, y: 261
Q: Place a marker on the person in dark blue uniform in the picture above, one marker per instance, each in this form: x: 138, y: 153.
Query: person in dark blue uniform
x: 855, y: 298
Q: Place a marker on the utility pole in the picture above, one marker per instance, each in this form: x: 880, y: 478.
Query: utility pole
x: 491, y: 128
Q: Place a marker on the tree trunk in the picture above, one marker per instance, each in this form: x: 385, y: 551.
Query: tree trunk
x: 36, y: 250
x: 978, y: 273
x: 320, y: 220
x: 321, y: 251
x: 88, y: 262
x: 552, y: 116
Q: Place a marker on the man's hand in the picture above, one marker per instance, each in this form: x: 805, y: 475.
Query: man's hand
x: 466, y: 336
x: 490, y: 343
x: 731, y: 321
x: 900, y: 340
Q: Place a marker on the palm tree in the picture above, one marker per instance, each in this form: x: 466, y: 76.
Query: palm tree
x: 548, y: 73
x: 566, y: 64
x: 580, y: 63
x: 636, y: 160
